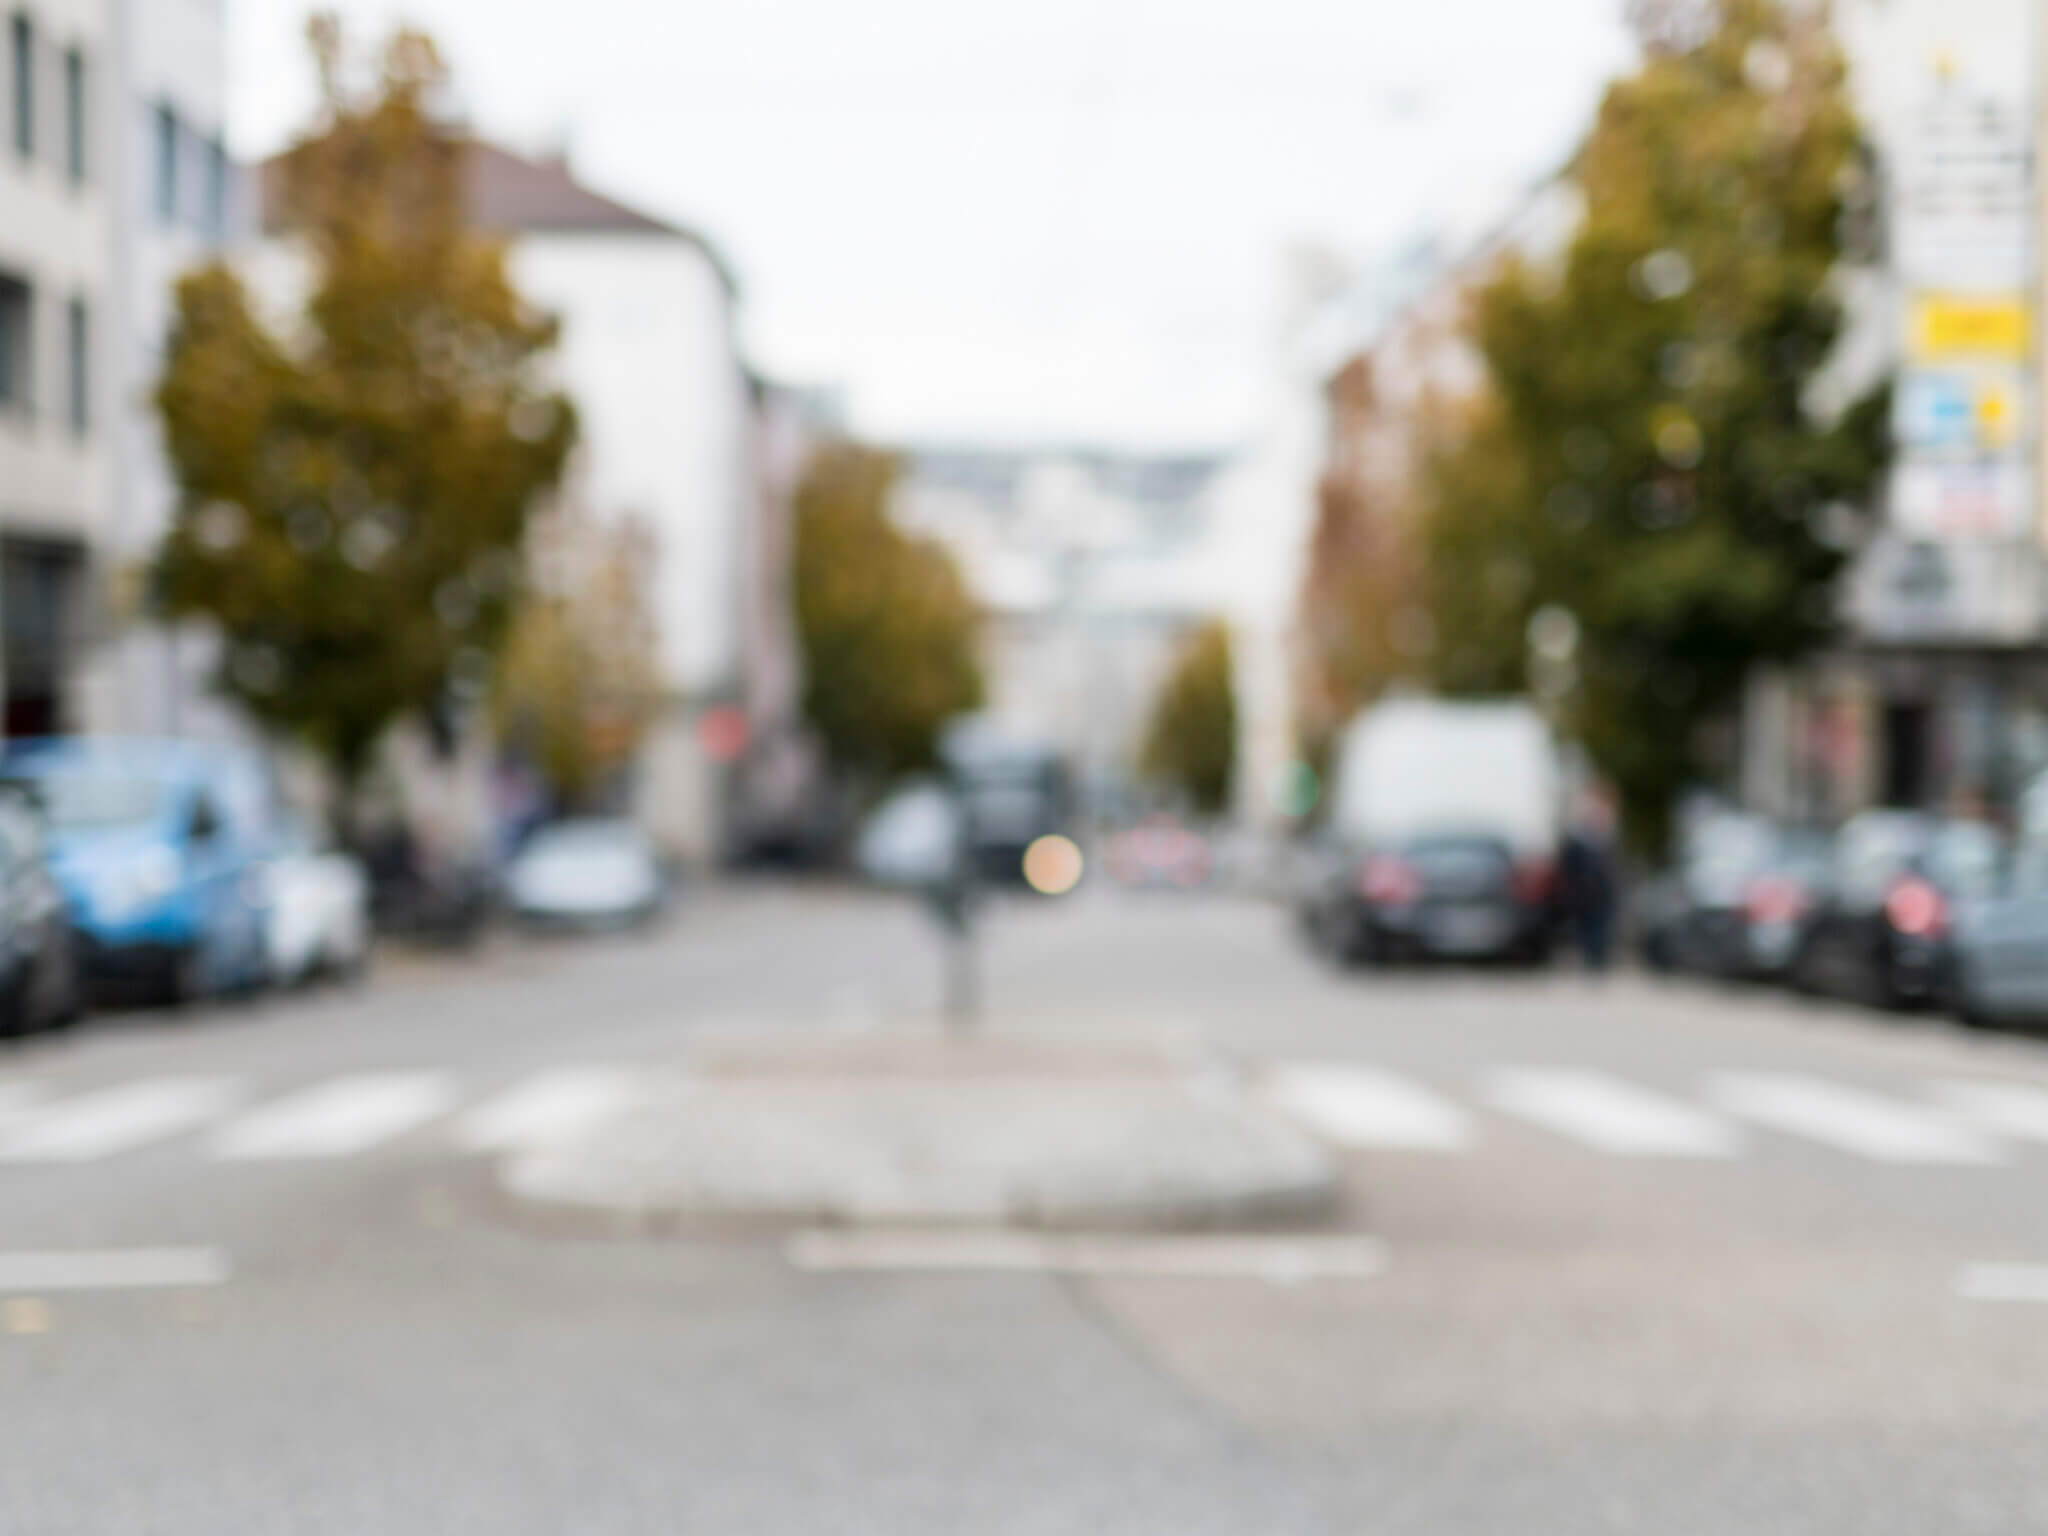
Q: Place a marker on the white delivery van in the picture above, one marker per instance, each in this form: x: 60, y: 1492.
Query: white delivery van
x: 1444, y: 822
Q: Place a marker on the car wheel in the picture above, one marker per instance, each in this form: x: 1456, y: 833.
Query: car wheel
x: 1348, y: 944
x: 185, y: 978
x: 14, y: 1010
x: 349, y: 964
x: 1885, y: 992
x: 1965, y: 1002
x: 1319, y: 932
x: 69, y: 990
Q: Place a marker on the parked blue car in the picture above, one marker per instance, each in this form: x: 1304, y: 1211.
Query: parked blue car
x: 159, y: 848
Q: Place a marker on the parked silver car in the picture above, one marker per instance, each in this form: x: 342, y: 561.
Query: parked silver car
x: 2001, y: 940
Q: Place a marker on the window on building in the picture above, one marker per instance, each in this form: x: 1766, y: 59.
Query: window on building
x: 21, y: 54
x: 216, y: 188
x: 75, y: 115
x: 39, y: 640
x: 17, y: 352
x: 78, y: 346
x: 167, y: 137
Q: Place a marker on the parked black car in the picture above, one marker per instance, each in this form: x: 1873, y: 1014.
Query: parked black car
x: 1447, y: 897
x: 1737, y: 904
x: 42, y: 982
x: 1883, y: 929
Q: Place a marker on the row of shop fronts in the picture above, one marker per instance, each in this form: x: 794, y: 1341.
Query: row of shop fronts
x: 1963, y: 729
x: 1937, y: 694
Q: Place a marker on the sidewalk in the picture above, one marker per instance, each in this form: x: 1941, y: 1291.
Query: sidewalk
x: 906, y: 1130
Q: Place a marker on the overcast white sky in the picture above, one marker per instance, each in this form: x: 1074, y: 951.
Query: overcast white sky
x: 1053, y: 219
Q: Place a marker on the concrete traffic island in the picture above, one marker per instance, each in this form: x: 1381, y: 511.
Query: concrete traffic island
x: 896, y: 1130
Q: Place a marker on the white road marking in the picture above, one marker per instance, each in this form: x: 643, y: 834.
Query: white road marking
x: 2003, y: 1282
x: 544, y: 1108
x: 336, y: 1119
x: 116, y: 1119
x: 1276, y: 1260
x: 2018, y: 1110
x: 1609, y: 1114
x: 1851, y: 1120
x: 1365, y: 1107
x: 112, y: 1269
x: 16, y: 1100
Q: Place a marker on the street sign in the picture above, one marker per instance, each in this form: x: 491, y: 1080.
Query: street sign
x: 1962, y: 225
x: 1907, y: 591
x: 1944, y: 326
x: 1935, y: 412
x: 1961, y: 411
x: 1986, y: 498
x: 1966, y: 194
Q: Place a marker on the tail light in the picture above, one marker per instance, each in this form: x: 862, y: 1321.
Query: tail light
x: 1774, y: 901
x: 1916, y: 909
x: 1389, y: 882
x: 1535, y: 880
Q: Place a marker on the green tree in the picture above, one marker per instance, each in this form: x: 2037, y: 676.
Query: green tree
x: 580, y: 680
x: 886, y: 623
x: 353, y: 490
x: 1191, y: 740
x: 1645, y: 456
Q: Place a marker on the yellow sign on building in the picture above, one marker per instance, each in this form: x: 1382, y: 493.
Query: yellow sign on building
x: 1960, y: 325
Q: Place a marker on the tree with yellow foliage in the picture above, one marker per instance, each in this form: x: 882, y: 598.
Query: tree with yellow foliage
x: 353, y: 490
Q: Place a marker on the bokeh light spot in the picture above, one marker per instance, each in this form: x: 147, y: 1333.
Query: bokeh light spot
x: 1053, y: 865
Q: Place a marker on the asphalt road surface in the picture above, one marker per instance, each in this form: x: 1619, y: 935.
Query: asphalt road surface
x: 1653, y: 1257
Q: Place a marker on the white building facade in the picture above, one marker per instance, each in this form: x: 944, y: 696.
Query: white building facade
x: 113, y: 179
x: 649, y: 351
x: 57, y: 247
x: 178, y: 206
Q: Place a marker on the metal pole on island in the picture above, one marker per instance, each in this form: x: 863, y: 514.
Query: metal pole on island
x: 951, y: 897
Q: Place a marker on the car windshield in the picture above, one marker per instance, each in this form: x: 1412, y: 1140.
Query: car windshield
x: 586, y: 840
x: 1735, y: 846
x: 1458, y: 862
x: 1966, y: 858
x: 80, y: 802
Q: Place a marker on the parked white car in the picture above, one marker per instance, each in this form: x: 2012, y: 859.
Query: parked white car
x: 318, y: 910
x: 590, y: 874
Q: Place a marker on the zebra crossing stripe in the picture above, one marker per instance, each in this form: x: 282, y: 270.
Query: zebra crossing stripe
x: 111, y: 1269
x: 1356, y: 1106
x: 16, y: 1100
x: 1610, y: 1115
x: 115, y: 1120
x: 1851, y: 1120
x: 543, y: 1108
x: 2003, y: 1282
x: 337, y: 1118
x: 2018, y: 1110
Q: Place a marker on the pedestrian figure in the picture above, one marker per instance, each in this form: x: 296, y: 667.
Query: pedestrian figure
x: 1588, y: 878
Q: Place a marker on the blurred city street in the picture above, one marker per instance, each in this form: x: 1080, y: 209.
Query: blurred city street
x: 1657, y: 1256
x: 1075, y: 770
